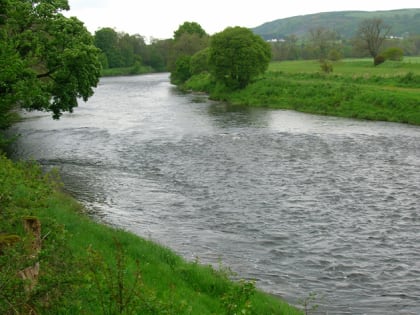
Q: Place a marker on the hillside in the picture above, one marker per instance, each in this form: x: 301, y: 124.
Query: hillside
x: 404, y: 22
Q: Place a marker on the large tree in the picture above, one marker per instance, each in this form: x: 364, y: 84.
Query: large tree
x: 323, y: 41
x: 189, y: 28
x: 47, y: 60
x: 371, y: 35
x: 189, y: 38
x: 237, y: 56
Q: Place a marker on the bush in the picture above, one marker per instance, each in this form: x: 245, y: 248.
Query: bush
x: 326, y: 66
x: 393, y: 53
x: 182, y: 70
x: 335, y: 55
x: 200, y: 62
x: 378, y: 60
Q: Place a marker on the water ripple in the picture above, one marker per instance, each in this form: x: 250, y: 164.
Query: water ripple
x: 301, y: 203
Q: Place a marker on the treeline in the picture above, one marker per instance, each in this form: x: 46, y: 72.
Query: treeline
x: 122, y: 50
x: 306, y: 47
x: 119, y: 49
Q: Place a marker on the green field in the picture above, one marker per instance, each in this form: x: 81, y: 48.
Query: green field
x: 355, y: 88
x: 90, y: 268
x: 351, y: 67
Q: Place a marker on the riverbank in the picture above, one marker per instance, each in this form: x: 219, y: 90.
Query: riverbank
x: 355, y: 89
x: 87, y: 267
x: 126, y: 71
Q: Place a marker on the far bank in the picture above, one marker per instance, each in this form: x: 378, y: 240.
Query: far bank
x: 354, y: 89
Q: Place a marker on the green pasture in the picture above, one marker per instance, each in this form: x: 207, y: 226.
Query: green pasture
x: 353, y: 67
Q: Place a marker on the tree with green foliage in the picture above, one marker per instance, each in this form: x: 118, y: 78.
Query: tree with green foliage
x: 182, y: 71
x: 106, y: 39
x: 47, y: 60
x: 200, y: 61
x: 189, y: 39
x: 371, y: 35
x: 157, y: 54
x: 237, y: 56
x: 120, y: 49
x: 189, y: 28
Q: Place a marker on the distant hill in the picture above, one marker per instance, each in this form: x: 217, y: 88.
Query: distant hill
x: 404, y: 22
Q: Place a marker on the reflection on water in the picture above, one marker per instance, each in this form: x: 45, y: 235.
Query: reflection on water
x: 302, y: 203
x: 231, y: 116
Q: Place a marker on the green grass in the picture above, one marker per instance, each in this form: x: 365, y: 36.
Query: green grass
x: 125, y: 71
x: 359, y: 67
x: 355, y: 89
x: 90, y: 268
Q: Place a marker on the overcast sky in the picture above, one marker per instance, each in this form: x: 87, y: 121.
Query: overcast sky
x: 160, y: 18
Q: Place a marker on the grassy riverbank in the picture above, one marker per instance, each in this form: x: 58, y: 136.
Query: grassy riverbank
x: 355, y: 88
x: 90, y: 268
x: 125, y: 71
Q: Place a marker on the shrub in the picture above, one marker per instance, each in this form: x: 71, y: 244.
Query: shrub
x: 393, y: 53
x: 182, y: 70
x: 326, y: 66
x: 378, y: 60
x: 335, y: 55
x: 200, y: 62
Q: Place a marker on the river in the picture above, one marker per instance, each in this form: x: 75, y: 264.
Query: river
x: 299, y: 202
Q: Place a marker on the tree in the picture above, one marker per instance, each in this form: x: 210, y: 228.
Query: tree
x: 237, y: 56
x: 189, y: 28
x: 48, y: 61
x: 157, y: 54
x: 371, y: 35
x: 106, y: 39
x: 182, y: 71
x: 200, y: 62
x: 188, y: 39
x: 323, y: 41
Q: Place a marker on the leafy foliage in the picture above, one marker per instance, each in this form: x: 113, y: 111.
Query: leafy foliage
x: 237, y: 56
x: 378, y: 60
x: 182, y: 70
x: 49, y: 60
x: 189, y: 28
x: 393, y: 53
x: 189, y: 39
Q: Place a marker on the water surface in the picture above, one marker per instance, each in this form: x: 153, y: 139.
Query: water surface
x: 301, y: 203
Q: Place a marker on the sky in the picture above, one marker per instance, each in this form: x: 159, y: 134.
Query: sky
x: 160, y: 18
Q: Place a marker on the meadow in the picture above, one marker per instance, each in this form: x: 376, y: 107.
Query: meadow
x: 355, y: 88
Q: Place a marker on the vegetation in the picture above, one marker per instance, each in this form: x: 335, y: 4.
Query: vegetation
x: 120, y: 50
x: 53, y: 258
x: 189, y: 39
x: 47, y: 60
x: 298, y: 37
x: 371, y: 36
x: 389, y: 92
x: 404, y: 22
x: 237, y: 56
x: 82, y: 267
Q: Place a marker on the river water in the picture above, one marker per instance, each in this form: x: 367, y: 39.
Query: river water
x: 301, y: 203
